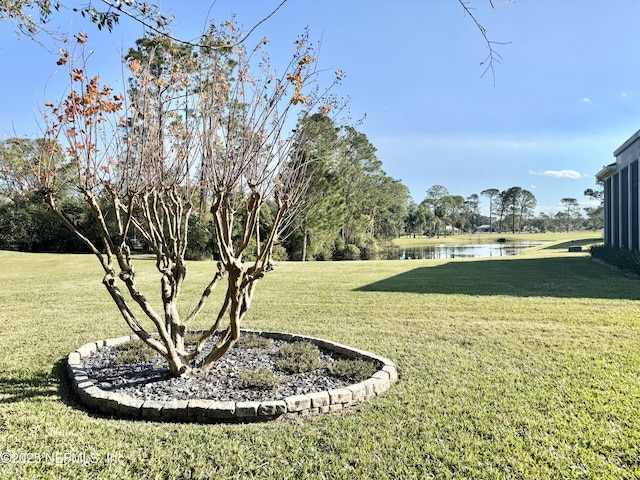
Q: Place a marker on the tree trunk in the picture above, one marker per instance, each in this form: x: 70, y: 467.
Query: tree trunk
x: 304, y: 244
x: 237, y: 289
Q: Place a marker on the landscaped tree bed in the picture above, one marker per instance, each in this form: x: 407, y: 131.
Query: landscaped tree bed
x: 150, y: 392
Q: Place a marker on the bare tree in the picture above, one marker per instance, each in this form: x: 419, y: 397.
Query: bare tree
x: 143, y: 161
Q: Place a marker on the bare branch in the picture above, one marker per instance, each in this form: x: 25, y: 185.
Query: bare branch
x: 263, y: 20
x: 502, y: 4
x: 144, y: 19
x: 493, y: 56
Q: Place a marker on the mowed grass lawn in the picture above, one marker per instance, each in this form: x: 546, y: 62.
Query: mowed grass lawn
x: 511, y: 367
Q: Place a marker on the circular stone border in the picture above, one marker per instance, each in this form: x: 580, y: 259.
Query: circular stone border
x: 211, y: 411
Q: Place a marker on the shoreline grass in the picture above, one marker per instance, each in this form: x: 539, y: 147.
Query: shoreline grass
x: 520, y: 367
x: 479, y: 238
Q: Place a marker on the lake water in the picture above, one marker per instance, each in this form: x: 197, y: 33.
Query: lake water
x: 444, y: 251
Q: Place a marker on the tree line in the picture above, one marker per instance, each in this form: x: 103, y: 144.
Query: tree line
x: 353, y: 208
x: 510, y: 210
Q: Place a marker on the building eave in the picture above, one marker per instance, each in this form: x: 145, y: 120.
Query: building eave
x: 606, y: 172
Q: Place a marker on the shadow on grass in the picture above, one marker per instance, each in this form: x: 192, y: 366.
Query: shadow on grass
x: 38, y: 385
x: 564, y: 277
x: 573, y: 243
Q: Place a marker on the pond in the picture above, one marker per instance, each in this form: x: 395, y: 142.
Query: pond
x: 471, y: 250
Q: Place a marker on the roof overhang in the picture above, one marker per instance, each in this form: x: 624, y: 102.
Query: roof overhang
x: 606, y: 172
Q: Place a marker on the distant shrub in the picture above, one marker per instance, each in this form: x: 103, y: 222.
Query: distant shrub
x: 628, y: 260
x: 345, y: 251
x: 354, y: 370
x: 280, y: 253
x: 259, y: 379
x: 133, y: 352
x: 351, y: 252
x: 298, y: 357
x: 196, y: 254
x: 370, y: 250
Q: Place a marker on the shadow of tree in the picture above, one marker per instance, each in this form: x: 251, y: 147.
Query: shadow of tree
x: 42, y: 384
x: 573, y: 243
x: 564, y: 277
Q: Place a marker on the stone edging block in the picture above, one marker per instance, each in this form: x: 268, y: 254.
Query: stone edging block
x: 212, y: 411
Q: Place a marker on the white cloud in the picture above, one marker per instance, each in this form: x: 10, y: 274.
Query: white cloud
x: 559, y: 174
x: 585, y: 100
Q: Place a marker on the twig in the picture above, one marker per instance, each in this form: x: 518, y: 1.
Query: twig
x: 493, y: 56
x: 166, y: 34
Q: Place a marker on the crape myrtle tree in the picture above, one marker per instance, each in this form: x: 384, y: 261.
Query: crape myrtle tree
x: 145, y: 160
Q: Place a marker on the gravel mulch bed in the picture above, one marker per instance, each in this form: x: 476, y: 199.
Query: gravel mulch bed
x: 151, y: 380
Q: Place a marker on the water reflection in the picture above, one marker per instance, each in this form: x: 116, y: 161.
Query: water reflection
x: 444, y: 251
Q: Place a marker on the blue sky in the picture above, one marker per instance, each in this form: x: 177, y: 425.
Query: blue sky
x: 566, y: 93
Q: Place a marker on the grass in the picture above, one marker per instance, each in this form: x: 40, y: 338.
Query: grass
x: 519, y: 367
x: 554, y: 237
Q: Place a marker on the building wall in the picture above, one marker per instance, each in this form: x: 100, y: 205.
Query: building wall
x: 622, y: 196
x: 634, y: 207
x: 607, y: 211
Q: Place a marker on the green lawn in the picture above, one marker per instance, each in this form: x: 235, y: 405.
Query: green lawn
x: 511, y: 367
